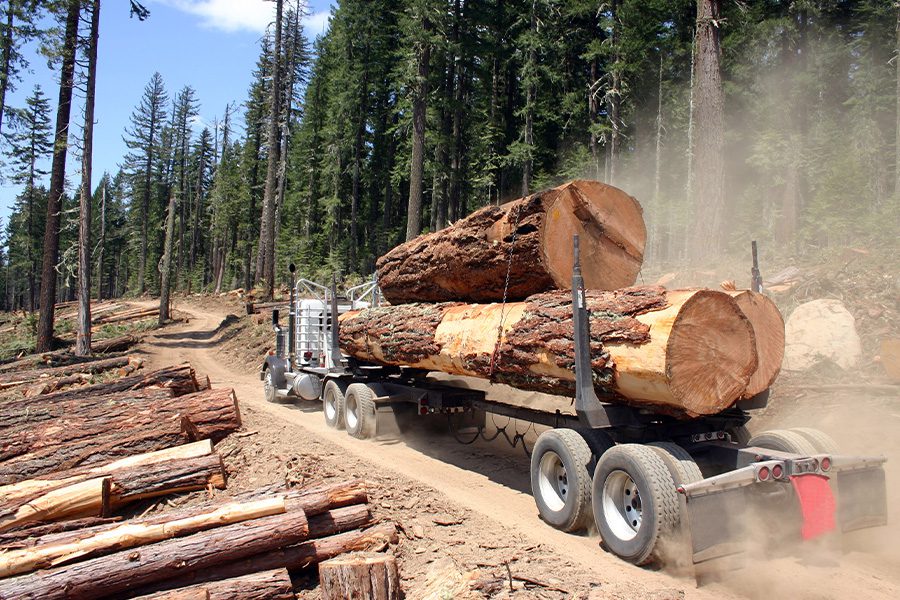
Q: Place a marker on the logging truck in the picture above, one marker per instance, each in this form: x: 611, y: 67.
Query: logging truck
x: 656, y: 485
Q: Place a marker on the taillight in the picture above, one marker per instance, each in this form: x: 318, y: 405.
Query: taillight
x: 307, y: 355
x: 763, y: 474
x: 777, y: 471
x: 825, y: 464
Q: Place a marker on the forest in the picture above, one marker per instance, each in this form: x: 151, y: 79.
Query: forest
x: 729, y: 120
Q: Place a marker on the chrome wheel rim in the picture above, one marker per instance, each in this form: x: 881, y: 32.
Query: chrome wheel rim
x: 350, y: 412
x: 622, y: 507
x: 330, y: 409
x: 553, y: 481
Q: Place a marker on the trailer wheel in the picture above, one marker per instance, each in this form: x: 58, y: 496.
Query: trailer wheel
x: 359, y: 411
x: 820, y: 440
x: 269, y: 387
x: 635, y: 502
x: 783, y: 440
x: 682, y: 466
x: 561, y: 479
x: 333, y: 403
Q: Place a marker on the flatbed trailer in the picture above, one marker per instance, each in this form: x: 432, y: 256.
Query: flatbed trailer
x: 656, y: 488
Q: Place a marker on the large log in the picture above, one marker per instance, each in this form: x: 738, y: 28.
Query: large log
x: 98, y: 495
x: 117, y: 573
x: 768, y: 329
x: 325, y: 542
x: 370, y: 575
x: 80, y: 545
x: 531, y: 238
x: 92, y: 366
x: 268, y: 585
x: 684, y: 353
x: 30, y: 488
x: 64, y: 436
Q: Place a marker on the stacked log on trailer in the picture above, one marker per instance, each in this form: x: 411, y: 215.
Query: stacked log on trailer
x: 686, y: 353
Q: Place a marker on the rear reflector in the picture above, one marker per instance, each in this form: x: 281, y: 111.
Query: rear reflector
x: 763, y: 474
x: 777, y: 471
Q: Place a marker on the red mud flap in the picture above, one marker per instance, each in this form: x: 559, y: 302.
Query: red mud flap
x: 816, y: 504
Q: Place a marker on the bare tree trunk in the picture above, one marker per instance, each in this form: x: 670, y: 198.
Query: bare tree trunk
x: 615, y: 97
x: 83, y: 336
x: 417, y: 167
x: 102, y: 243
x: 897, y: 145
x: 709, y: 118
x: 656, y: 246
x: 57, y: 181
x: 357, y: 160
x: 267, y: 224
x: 165, y: 262
x: 6, y: 57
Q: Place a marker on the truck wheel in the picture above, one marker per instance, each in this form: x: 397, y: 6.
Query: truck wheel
x: 682, y: 466
x: 820, y: 440
x: 359, y: 411
x: 561, y: 479
x: 333, y: 404
x: 635, y: 502
x: 269, y: 387
x: 783, y: 440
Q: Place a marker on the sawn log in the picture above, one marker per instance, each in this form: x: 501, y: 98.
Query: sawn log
x: 685, y: 353
x: 531, y: 238
x: 267, y: 585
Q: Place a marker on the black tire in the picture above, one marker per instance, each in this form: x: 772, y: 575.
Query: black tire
x: 682, y: 466
x: 598, y: 441
x: 333, y: 403
x: 783, y: 441
x: 635, y: 502
x: 740, y: 435
x: 359, y: 411
x: 269, y: 387
x: 561, y: 479
x: 821, y: 441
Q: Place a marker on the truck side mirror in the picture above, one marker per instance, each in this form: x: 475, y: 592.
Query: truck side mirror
x: 275, y: 317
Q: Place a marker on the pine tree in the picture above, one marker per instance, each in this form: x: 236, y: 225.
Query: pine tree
x: 30, y: 143
x: 143, y: 140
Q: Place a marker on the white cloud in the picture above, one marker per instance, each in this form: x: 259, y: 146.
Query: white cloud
x: 316, y: 23
x: 228, y: 15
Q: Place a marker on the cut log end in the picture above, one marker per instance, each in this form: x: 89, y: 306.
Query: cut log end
x: 711, y: 353
x: 768, y: 328
x: 360, y: 575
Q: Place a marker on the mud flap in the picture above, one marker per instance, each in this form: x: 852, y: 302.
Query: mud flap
x: 716, y: 524
x: 862, y: 499
x: 816, y: 504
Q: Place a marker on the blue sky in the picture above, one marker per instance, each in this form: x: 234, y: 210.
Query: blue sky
x: 211, y: 45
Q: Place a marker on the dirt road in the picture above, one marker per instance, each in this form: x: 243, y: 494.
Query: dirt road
x: 485, y: 488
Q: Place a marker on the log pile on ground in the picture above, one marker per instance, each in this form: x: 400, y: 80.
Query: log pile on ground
x: 686, y: 353
x: 73, y: 462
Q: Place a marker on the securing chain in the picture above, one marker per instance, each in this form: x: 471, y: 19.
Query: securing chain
x: 516, y: 439
x: 512, y: 247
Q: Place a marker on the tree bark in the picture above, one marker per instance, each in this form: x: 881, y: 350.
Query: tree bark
x: 101, y: 244
x: 83, y: 337
x: 6, y: 58
x: 128, y: 570
x: 267, y: 585
x: 92, y: 366
x: 897, y: 142
x: 57, y: 180
x: 685, y: 353
x: 371, y: 575
x: 325, y: 542
x: 165, y: 264
x: 709, y: 124
x: 96, y: 495
x: 417, y: 161
x: 531, y: 239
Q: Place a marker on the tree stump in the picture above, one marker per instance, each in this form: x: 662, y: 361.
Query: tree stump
x: 360, y: 575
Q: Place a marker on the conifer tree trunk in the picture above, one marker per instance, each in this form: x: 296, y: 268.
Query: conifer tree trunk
x: 165, y: 262
x: 267, y: 223
x: 417, y: 166
x: 529, y: 104
x: 102, y: 244
x: 897, y: 146
x: 615, y: 98
x: 6, y: 56
x: 83, y: 336
x: 57, y: 181
x: 656, y: 246
x: 362, y: 107
x: 709, y: 123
